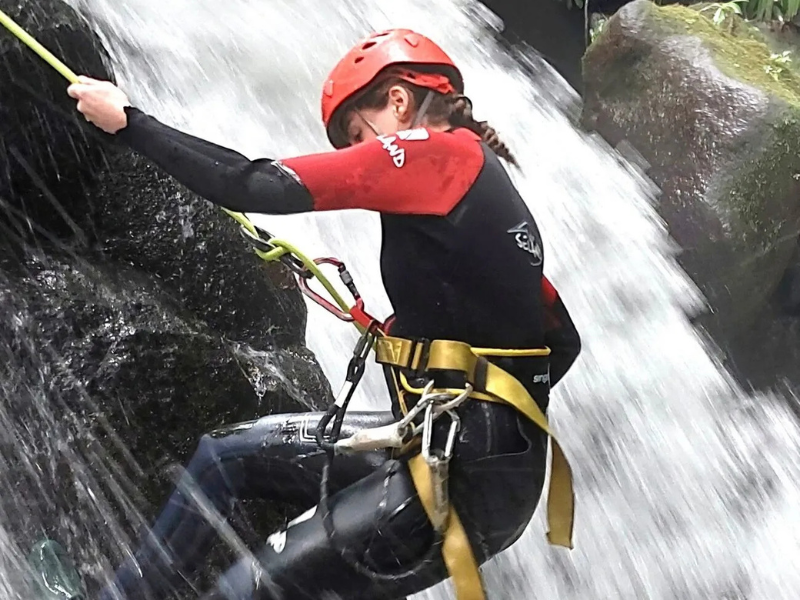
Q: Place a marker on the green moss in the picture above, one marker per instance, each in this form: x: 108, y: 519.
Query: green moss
x: 768, y: 175
x: 740, y: 52
x: 737, y: 48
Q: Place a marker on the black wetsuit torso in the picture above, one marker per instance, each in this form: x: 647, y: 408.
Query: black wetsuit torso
x: 472, y: 275
x: 461, y: 259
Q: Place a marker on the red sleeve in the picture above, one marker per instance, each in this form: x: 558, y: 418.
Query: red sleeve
x: 560, y: 335
x: 549, y: 298
x: 549, y: 293
x: 411, y: 172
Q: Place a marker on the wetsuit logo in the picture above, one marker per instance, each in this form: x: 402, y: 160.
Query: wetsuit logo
x: 397, y: 153
x: 414, y: 135
x: 528, y: 242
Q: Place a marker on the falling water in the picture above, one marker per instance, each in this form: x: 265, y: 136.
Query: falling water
x: 687, y: 487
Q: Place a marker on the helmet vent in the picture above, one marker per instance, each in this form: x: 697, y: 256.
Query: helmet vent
x: 412, y: 40
x: 368, y: 45
x: 358, y: 59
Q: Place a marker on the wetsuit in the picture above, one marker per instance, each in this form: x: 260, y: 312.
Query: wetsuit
x: 461, y: 259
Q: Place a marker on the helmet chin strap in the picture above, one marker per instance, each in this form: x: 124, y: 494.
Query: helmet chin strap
x: 369, y: 123
x: 423, y: 109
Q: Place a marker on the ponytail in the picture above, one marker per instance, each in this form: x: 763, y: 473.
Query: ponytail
x: 460, y: 115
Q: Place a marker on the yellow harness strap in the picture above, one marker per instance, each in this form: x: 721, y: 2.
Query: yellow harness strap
x: 493, y: 384
x: 456, y: 550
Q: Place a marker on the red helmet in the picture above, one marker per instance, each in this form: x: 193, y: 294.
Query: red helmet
x: 371, y: 56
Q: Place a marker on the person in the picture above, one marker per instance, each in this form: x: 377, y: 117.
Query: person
x: 461, y: 259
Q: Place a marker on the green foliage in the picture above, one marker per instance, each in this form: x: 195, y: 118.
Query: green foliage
x: 598, y: 23
x: 724, y: 10
x: 738, y: 48
x: 777, y: 65
x: 771, y: 10
x: 752, y: 10
x: 723, y: 17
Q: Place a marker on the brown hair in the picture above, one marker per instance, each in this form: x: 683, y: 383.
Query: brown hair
x: 455, y: 109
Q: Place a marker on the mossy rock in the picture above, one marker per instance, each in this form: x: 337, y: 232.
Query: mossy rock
x: 717, y: 116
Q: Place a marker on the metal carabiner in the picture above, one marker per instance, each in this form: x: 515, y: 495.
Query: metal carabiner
x: 428, y: 452
x: 318, y: 298
x: 438, y: 462
x: 356, y: 366
x: 394, y: 435
x: 425, y: 399
x: 455, y: 427
x: 256, y: 239
x: 448, y: 407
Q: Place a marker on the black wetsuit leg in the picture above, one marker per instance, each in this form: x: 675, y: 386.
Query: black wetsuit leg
x: 275, y: 457
x: 496, y: 479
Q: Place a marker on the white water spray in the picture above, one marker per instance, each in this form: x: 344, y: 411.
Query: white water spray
x: 687, y: 488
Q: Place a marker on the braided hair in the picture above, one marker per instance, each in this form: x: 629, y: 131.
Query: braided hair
x: 454, y: 109
x: 459, y: 114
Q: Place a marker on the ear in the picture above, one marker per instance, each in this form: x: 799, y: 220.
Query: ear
x: 400, y: 101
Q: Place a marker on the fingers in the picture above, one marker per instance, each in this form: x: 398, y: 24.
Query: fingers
x: 82, y: 109
x: 101, y: 103
x: 76, y: 90
x: 92, y: 81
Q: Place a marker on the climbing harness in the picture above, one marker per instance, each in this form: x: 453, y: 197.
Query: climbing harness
x: 429, y: 468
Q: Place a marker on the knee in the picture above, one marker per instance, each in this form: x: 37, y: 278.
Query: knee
x: 206, y: 455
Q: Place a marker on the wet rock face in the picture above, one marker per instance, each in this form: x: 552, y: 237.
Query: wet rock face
x: 721, y: 133
x: 146, y: 219
x: 104, y: 384
x: 45, y: 147
x: 133, y: 316
x: 767, y: 354
x: 81, y: 187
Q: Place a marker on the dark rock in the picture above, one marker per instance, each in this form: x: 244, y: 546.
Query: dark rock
x: 718, y: 120
x: 148, y: 220
x: 47, y: 152
x: 121, y: 346
x: 555, y: 31
x: 133, y: 317
x: 767, y: 354
x: 104, y: 384
x: 78, y: 187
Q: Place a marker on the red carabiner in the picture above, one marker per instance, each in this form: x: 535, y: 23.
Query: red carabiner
x: 356, y: 312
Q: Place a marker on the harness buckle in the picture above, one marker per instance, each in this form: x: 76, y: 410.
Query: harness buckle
x: 421, y: 369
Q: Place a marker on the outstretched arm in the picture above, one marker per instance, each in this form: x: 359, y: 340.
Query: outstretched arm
x: 223, y: 176
x: 428, y: 174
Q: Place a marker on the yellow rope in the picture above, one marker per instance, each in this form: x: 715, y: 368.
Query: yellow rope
x: 281, y: 247
x: 46, y: 55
